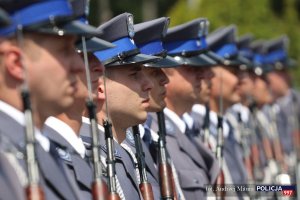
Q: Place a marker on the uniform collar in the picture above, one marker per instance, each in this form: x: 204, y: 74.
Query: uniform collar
x: 87, y: 121
x: 19, y: 117
x: 67, y: 133
x: 176, y: 119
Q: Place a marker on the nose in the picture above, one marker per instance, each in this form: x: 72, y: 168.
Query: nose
x: 147, y: 84
x: 164, y: 79
x: 77, y: 64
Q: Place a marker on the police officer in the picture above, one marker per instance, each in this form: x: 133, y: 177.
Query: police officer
x: 43, y: 57
x: 148, y: 37
x: 194, y: 163
x: 224, y: 94
x: 126, y: 98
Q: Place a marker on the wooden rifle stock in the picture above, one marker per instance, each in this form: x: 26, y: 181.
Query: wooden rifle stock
x: 146, y: 190
x: 110, y: 160
x: 33, y: 190
x: 166, y: 178
x: 99, y: 189
x: 145, y: 186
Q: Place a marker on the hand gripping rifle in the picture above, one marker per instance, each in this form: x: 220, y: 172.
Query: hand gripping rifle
x: 145, y: 186
x: 166, y: 179
x: 33, y: 190
x: 99, y: 188
x: 220, y: 143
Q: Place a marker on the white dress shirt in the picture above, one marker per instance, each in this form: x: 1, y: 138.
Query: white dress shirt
x: 67, y: 133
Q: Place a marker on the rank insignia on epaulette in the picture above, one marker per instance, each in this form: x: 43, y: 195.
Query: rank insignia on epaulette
x: 63, y: 154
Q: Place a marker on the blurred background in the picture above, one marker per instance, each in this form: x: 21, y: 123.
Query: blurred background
x: 265, y: 19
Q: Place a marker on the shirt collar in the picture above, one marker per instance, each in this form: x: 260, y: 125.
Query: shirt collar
x: 19, y: 117
x: 214, y: 120
x: 245, y: 112
x: 188, y: 120
x: 199, y: 108
x: 176, y: 119
x: 67, y: 133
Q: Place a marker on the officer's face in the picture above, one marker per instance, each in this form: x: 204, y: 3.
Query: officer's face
x: 206, y: 85
x: 224, y: 84
x: 184, y: 85
x: 278, y: 83
x: 96, y: 71
x: 261, y: 92
x: 246, y: 85
x: 158, y: 92
x: 127, y: 94
x: 52, y: 63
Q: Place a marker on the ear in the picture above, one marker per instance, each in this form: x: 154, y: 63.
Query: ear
x: 12, y: 60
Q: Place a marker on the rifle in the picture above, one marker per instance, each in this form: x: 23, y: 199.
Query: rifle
x: 110, y: 160
x: 277, y: 146
x: 220, y: 142
x: 99, y: 188
x: 219, y: 155
x: 258, y: 173
x: 33, y: 190
x: 246, y: 150
x: 296, y: 139
x: 145, y: 186
x: 205, y: 126
x: 166, y: 179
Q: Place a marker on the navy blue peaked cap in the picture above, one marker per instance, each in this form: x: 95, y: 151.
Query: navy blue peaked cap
x: 120, y: 32
x: 276, y: 53
x: 44, y: 16
x: 148, y: 37
x: 183, y: 42
x: 79, y: 8
x: 260, y: 67
x: 243, y: 44
x: 223, y: 43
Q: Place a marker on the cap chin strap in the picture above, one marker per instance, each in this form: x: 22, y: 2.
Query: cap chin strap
x: 121, y: 57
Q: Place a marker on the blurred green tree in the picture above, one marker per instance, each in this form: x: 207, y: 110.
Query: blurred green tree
x: 265, y: 19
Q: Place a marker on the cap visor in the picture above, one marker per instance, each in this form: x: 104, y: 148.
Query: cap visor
x: 95, y: 44
x: 73, y: 27
x: 136, y: 59
x: 196, y: 61
x: 167, y: 62
x: 215, y: 57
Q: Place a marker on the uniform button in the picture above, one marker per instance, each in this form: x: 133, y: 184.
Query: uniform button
x: 196, y: 181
